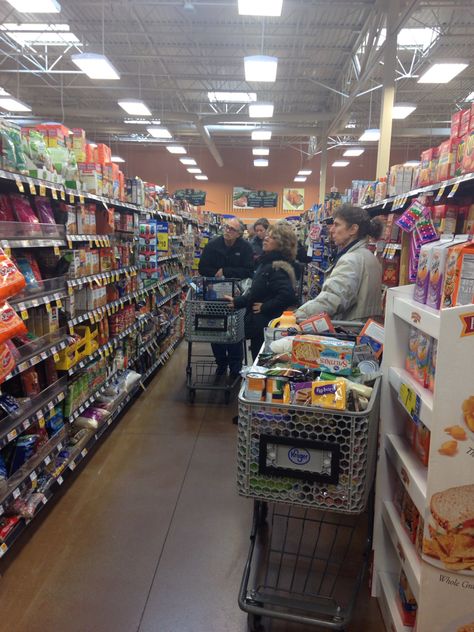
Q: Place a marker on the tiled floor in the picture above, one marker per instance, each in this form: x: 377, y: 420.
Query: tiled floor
x: 151, y: 535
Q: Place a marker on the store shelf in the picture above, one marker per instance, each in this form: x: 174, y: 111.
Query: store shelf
x: 404, y: 548
x: 103, y: 277
x: 13, y: 425
x: 420, y: 316
x: 162, y: 359
x: 26, y: 235
x: 91, y: 399
x: 388, y: 603
x: 44, y: 293
x: 38, y: 350
x: 99, y: 240
x: 411, y: 472
x: 398, y: 377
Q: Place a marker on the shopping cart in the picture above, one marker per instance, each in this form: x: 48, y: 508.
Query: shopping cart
x: 310, y: 472
x: 210, y: 320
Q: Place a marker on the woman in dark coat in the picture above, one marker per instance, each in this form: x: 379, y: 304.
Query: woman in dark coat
x: 273, y: 287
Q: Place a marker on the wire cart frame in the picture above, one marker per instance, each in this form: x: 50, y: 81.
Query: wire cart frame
x: 311, y: 533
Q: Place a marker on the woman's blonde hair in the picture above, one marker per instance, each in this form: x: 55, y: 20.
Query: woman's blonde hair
x: 286, y: 239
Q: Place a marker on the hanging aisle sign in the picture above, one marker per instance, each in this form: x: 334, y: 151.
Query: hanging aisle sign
x: 244, y: 198
x: 196, y: 197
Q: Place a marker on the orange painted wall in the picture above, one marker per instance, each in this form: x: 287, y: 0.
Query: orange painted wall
x: 155, y: 164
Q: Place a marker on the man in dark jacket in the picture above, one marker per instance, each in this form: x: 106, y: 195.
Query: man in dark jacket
x: 228, y: 256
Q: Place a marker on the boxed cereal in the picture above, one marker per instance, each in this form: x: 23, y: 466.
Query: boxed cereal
x: 437, y: 269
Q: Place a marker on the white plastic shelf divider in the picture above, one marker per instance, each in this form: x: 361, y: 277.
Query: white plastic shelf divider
x: 388, y: 603
x: 397, y: 377
x: 420, y: 316
x: 411, y: 471
x: 404, y: 548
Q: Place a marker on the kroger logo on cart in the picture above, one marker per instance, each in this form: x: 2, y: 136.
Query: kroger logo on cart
x: 299, y: 456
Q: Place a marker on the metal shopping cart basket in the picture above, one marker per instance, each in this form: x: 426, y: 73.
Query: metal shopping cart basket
x: 310, y: 471
x: 210, y: 319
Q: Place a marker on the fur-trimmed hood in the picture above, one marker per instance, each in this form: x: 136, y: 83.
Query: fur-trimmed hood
x: 280, y: 264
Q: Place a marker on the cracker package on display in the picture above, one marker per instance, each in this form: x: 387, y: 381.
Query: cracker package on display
x: 327, y: 354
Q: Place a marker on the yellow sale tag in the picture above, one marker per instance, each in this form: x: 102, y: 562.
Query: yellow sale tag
x: 408, y: 398
x: 70, y: 291
x: 71, y: 198
x: 107, y: 352
x: 59, y: 303
x: 32, y: 188
x: 56, y: 357
x: 81, y: 199
x: 71, y: 330
x: 69, y: 243
x: 24, y: 314
x: 20, y: 186
x: 48, y: 307
x: 7, y: 250
x: 57, y: 252
x: 54, y: 193
x: 41, y: 422
x: 63, y: 195
x: 42, y: 189
x: 453, y: 190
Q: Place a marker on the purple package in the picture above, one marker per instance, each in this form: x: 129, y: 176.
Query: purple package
x: 44, y: 210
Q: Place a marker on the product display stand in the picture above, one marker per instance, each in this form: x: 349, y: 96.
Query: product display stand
x: 441, y: 580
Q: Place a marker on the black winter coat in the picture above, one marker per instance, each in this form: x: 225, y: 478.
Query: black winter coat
x: 274, y: 286
x: 236, y: 261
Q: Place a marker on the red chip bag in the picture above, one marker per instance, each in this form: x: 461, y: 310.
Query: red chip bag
x: 11, y: 279
x: 6, y: 212
x: 7, y: 361
x: 10, y: 323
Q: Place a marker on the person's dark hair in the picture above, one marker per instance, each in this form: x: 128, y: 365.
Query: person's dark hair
x: 263, y: 221
x: 368, y: 226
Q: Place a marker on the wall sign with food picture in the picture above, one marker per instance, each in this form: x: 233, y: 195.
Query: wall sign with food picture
x: 293, y: 199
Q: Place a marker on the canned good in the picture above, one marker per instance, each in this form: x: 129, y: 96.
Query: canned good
x: 255, y: 386
x: 275, y: 388
x: 367, y: 367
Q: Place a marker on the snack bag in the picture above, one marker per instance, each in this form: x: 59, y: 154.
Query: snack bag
x: 44, y: 210
x: 325, y: 394
x: 10, y: 323
x: 6, y: 212
x: 7, y: 361
x: 22, y: 209
x: 11, y: 279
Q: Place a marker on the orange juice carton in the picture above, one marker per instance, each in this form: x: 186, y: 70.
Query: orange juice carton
x: 423, y: 273
x: 458, y: 286
x: 327, y: 354
x: 467, y: 164
x: 95, y: 261
x: 317, y: 324
x: 372, y: 334
x: 455, y: 123
x: 437, y: 269
x: 465, y: 121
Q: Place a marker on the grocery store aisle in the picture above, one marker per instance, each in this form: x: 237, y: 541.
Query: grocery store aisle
x: 151, y: 535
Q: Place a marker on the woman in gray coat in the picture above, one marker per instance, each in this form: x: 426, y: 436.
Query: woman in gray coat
x: 353, y: 286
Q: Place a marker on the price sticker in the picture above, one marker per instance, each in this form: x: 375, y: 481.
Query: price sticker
x: 41, y: 422
x: 47, y: 460
x: 19, y: 185
x: 32, y: 188
x: 69, y: 244
x: 60, y: 480
x: 81, y: 199
x: 56, y: 357
x: 71, y: 198
x: 453, y: 191
x: 440, y: 193
x: 410, y: 400
x: 84, y: 452
x: 63, y: 195
x: 54, y: 193
x: 57, y: 252
x: 26, y: 424
x: 71, y: 330
x: 48, y: 307
x: 33, y: 476
x: 72, y: 466
x: 7, y: 250
x: 3, y: 549
x: 12, y: 435
x: 24, y: 314
x: 59, y: 303
x: 42, y: 190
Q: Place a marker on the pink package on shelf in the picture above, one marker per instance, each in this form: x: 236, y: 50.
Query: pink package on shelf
x: 44, y: 210
x: 6, y: 211
x: 22, y: 209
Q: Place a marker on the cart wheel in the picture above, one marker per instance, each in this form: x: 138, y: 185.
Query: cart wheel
x: 254, y: 623
x: 227, y: 397
x: 191, y: 395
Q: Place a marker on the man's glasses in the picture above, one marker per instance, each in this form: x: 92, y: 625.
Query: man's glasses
x: 231, y: 229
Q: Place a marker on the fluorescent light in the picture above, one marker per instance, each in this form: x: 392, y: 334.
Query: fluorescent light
x: 201, y: 178
x: 260, y: 162
x: 260, y: 7
x: 353, y: 152
x: 411, y: 163
x: 188, y: 161
x: 31, y: 33
x: 370, y: 135
x: 304, y: 172
x: 470, y: 97
x: 193, y: 170
x: 300, y: 179
x: 176, y: 149
x: 117, y: 159
x: 13, y: 105
x: 93, y: 145
x: 141, y: 122
x: 261, y: 110
x: 261, y: 134
x: 402, y: 110
x: 35, y: 6
x: 442, y: 72
x: 159, y: 132
x: 232, y: 97
x: 260, y: 68
x: 412, y: 37
x: 340, y: 163
x: 260, y: 151
x: 134, y: 107
x: 95, y: 66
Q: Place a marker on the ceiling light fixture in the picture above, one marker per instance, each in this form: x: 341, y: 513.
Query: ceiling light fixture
x: 93, y: 145
x: 95, y: 66
x: 117, y: 159
x: 261, y: 134
x: 232, y: 97
x: 176, y: 149
x: 194, y: 170
x: 353, y: 152
x: 260, y: 68
x: 411, y: 163
x: 261, y: 110
x: 372, y: 134
x: 300, y: 179
x: 442, y: 72
x: 304, y: 172
x: 470, y: 97
x: 33, y: 33
x: 260, y: 162
x: 340, y: 163
x: 159, y: 132
x: 35, y: 6
x: 271, y: 8
x: 187, y: 161
x: 201, y: 178
x: 260, y: 151
x: 134, y: 107
x: 13, y: 105
x: 402, y: 110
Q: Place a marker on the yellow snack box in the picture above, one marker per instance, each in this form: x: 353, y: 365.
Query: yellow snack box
x: 329, y: 394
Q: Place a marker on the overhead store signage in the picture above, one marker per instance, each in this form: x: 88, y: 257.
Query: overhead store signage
x: 196, y: 197
x: 293, y: 199
x: 244, y: 198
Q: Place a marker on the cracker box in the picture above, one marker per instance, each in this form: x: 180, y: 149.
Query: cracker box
x: 458, y: 286
x: 423, y: 274
x: 445, y: 160
x: 436, y: 273
x: 467, y: 165
x: 326, y: 354
x: 455, y: 123
x: 326, y: 394
x: 372, y: 334
x: 425, y: 167
x: 465, y: 122
x: 460, y: 155
x: 317, y: 324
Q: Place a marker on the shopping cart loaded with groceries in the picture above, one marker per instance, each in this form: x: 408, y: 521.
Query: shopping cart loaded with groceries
x: 307, y: 445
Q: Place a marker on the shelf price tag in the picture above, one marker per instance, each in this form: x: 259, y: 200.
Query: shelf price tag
x: 63, y: 195
x: 81, y: 199
x: 440, y: 193
x: 71, y: 198
x: 24, y: 314
x: 56, y: 357
x: 32, y: 188
x: 19, y: 185
x: 453, y: 190
x: 3, y: 549
x: 54, y: 193
x: 42, y: 189
x: 59, y: 303
x: 410, y: 401
x: 12, y: 435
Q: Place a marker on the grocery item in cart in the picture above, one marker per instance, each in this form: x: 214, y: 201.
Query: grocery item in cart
x: 325, y: 394
x: 327, y: 354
